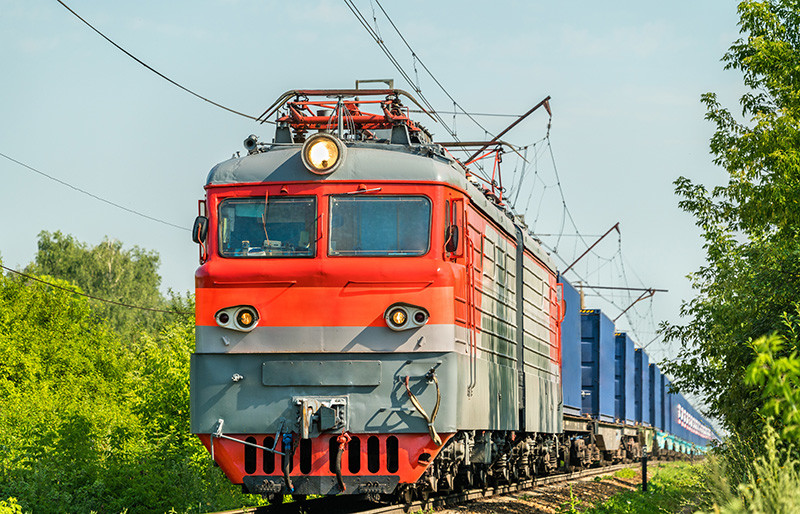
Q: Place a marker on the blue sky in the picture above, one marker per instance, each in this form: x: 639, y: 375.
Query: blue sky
x: 625, y: 80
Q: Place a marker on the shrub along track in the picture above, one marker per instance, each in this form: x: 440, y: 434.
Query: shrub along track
x: 355, y: 505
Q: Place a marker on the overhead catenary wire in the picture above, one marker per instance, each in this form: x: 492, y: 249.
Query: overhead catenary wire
x: 376, y: 37
x: 578, y: 236
x: 92, y: 195
x: 414, y: 84
x: 462, y: 113
x: 612, y: 263
x: 171, y: 81
x: 104, y: 300
x: 417, y: 59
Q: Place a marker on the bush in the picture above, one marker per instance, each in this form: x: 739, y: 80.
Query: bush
x: 92, y: 422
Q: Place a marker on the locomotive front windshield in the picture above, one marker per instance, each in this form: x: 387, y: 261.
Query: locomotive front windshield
x: 278, y: 227
x: 379, y: 225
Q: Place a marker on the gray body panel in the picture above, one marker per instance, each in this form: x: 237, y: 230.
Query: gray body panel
x: 248, y: 406
x: 429, y: 338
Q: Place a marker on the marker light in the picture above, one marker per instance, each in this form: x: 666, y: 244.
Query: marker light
x: 243, y: 318
x: 398, y: 317
x: 404, y: 316
x: 322, y: 153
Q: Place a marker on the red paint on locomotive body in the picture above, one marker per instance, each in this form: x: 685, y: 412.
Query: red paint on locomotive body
x: 325, y: 290
x: 411, y: 461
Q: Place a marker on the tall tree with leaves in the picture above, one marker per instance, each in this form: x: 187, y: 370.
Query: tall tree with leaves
x: 751, y: 224
x: 111, y: 272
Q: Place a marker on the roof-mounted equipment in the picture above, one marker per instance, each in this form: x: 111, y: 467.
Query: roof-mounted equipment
x: 346, y: 113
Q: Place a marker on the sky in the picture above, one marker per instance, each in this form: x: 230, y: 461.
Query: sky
x: 625, y: 80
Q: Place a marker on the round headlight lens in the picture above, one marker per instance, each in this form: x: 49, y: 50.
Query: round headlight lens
x: 322, y: 153
x: 398, y: 317
x: 245, y: 318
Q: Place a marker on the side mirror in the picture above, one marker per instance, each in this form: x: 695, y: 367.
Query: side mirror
x: 200, y: 230
x: 451, y: 238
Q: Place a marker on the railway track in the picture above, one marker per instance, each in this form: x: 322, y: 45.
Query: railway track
x: 349, y: 505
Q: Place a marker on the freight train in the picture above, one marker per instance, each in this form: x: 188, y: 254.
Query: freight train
x: 372, y: 319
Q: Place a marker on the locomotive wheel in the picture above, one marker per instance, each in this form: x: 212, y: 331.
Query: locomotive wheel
x: 448, y: 482
x: 405, y: 494
x: 480, y: 479
x: 464, y: 479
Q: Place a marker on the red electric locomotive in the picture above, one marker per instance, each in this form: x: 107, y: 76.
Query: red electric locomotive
x: 370, y: 317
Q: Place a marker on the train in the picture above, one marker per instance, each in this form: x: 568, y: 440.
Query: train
x: 373, y: 319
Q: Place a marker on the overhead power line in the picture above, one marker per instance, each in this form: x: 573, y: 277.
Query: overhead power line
x: 382, y: 45
x: 87, y: 193
x: 174, y: 83
x: 121, y: 304
x: 417, y: 59
x: 617, y: 288
x: 461, y: 113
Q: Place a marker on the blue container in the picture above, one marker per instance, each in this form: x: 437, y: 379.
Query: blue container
x: 597, y: 365
x: 624, y: 391
x: 656, y: 390
x: 665, y: 416
x: 571, y: 350
x: 686, y: 420
x: 641, y: 388
x: 667, y: 406
x: 676, y: 404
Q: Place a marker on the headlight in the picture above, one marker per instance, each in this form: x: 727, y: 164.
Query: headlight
x: 402, y: 316
x: 398, y: 317
x: 242, y: 317
x: 322, y: 153
x: 245, y: 318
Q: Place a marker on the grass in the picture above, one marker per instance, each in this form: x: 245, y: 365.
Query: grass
x: 673, y: 488
x: 625, y: 473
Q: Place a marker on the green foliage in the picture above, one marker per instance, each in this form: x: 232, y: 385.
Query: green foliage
x: 765, y: 482
x: 751, y: 225
x: 776, y: 371
x: 625, y: 473
x: 675, y: 487
x: 762, y: 474
x: 573, y: 505
x: 91, y: 423
x: 110, y: 272
x: 10, y: 506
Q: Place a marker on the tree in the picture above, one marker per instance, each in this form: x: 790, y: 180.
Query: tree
x: 88, y: 423
x: 750, y: 225
x: 110, y: 272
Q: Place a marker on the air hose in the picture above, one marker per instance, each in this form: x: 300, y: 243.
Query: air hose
x: 288, y: 449
x: 342, y: 440
x: 415, y: 402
